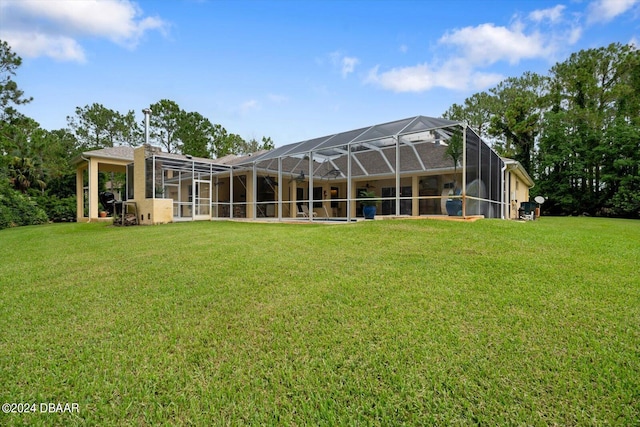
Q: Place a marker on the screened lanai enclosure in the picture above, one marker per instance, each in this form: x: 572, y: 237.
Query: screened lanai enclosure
x: 418, y: 166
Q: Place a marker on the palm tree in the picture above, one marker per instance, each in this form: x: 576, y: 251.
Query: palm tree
x: 23, y: 173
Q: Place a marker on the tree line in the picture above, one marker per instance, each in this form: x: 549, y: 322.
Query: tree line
x: 37, y: 179
x: 576, y: 130
x: 170, y: 127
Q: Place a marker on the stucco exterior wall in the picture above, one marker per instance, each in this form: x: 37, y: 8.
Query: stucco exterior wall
x: 427, y: 191
x: 150, y: 211
x: 93, y: 165
x: 518, y: 193
x: 154, y: 211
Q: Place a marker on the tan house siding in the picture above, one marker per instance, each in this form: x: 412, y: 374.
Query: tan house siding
x: 150, y: 211
x: 517, y: 186
x: 405, y: 162
x: 93, y: 164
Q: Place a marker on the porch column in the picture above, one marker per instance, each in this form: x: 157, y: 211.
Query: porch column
x: 250, y: 198
x: 93, y: 189
x: 415, y: 192
x: 254, y: 192
x: 293, y: 188
x: 80, y: 193
x: 353, y: 203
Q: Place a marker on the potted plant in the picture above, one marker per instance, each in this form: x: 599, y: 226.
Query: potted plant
x: 368, y: 204
x: 454, y: 205
x: 454, y: 152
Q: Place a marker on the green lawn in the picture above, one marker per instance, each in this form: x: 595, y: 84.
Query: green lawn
x: 376, y: 323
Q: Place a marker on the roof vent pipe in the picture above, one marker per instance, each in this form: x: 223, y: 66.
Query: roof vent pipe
x: 147, y: 114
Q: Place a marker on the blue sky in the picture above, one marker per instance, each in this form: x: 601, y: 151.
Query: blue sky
x: 293, y: 70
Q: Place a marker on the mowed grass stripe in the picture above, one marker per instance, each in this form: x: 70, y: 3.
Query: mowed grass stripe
x: 375, y: 323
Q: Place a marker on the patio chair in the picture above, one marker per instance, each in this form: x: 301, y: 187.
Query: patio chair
x: 304, y: 210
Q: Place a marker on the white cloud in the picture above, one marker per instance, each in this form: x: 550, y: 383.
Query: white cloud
x: 403, y: 48
x: 32, y: 44
x: 346, y: 64
x: 472, y: 51
x: 250, y: 105
x: 574, y: 35
x: 417, y: 78
x: 486, y: 44
x: 606, y: 10
x: 553, y: 14
x: 454, y: 74
x: 33, y: 26
x: 480, y: 80
x: 277, y: 99
x: 556, y: 29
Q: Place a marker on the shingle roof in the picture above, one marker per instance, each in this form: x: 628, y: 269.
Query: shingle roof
x: 379, y: 131
x: 517, y: 168
x: 121, y: 152
x: 232, y: 159
x: 362, y: 135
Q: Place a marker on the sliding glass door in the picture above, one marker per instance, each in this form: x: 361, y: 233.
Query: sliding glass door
x: 202, y: 199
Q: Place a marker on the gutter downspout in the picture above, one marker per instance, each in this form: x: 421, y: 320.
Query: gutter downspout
x: 502, y: 177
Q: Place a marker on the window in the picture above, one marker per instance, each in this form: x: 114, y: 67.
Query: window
x: 317, y: 195
x: 148, y: 177
x: 129, y: 193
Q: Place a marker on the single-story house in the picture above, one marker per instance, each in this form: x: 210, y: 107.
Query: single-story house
x: 406, y: 165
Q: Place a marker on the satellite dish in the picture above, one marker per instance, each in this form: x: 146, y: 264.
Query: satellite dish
x: 539, y: 199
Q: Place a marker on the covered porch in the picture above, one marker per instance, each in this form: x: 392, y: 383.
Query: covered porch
x: 415, y: 167
x: 419, y: 166
x: 88, y: 166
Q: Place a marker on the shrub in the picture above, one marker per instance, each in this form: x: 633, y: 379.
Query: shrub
x: 58, y: 209
x: 626, y: 202
x: 17, y: 209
